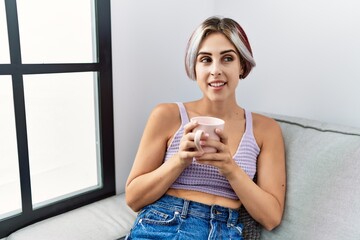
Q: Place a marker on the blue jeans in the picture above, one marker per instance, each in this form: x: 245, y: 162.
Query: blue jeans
x: 176, y: 218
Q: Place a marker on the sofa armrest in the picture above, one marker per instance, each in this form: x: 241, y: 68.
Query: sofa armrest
x: 109, y: 218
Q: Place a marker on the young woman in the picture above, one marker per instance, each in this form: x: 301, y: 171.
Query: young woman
x: 183, y: 193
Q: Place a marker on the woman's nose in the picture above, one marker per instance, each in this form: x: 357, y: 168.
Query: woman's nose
x: 216, y: 69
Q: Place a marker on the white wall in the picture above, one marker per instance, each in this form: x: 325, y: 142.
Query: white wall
x: 148, y: 45
x: 306, y: 53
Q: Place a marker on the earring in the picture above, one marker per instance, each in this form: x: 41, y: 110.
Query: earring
x: 241, y: 76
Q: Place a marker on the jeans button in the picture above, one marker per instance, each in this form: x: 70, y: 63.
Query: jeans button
x: 217, y: 212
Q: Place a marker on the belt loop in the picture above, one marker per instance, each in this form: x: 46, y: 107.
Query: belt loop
x: 185, y: 208
x: 232, y: 218
x: 212, y: 210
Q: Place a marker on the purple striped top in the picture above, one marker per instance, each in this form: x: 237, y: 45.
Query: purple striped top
x: 204, y: 178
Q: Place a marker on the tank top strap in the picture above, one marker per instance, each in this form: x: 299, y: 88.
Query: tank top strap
x: 183, y: 113
x: 248, y: 121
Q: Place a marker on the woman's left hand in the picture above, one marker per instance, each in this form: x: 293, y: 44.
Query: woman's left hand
x: 222, y: 159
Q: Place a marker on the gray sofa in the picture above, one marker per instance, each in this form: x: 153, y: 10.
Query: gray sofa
x: 322, y: 201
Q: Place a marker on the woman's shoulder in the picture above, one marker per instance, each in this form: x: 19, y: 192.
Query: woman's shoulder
x: 265, y: 127
x: 263, y: 121
x: 165, y: 118
x: 166, y: 114
x: 165, y: 110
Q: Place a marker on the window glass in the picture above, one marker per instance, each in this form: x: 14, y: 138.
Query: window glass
x: 4, y: 42
x: 63, y: 139
x: 64, y: 33
x: 10, y: 196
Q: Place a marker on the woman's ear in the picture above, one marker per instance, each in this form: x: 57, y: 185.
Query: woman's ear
x: 241, y: 76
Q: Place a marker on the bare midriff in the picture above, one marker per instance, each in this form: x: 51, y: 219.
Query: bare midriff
x: 205, y: 198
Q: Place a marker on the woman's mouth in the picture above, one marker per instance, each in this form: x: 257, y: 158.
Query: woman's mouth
x: 217, y: 84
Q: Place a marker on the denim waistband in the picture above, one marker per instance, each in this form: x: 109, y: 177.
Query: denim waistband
x: 208, y: 212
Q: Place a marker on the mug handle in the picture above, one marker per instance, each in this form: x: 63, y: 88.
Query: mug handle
x: 197, y: 139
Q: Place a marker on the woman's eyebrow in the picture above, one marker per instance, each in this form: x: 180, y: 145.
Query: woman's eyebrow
x: 227, y: 51
x: 221, y: 53
x: 204, y: 53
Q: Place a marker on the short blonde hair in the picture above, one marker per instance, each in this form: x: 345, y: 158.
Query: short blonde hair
x: 232, y: 30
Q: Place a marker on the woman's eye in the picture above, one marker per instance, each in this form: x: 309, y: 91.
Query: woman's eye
x: 205, y: 59
x: 228, y: 59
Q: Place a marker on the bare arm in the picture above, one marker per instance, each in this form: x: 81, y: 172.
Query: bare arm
x: 265, y: 200
x: 150, y: 178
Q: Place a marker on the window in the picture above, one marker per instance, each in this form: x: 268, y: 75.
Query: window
x: 56, y: 111
x: 4, y: 49
x: 68, y: 29
x: 10, y: 198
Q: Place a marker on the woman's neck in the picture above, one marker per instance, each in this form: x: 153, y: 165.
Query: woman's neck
x: 224, y: 110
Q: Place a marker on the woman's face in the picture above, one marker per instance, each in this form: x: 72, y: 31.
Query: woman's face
x: 217, y: 67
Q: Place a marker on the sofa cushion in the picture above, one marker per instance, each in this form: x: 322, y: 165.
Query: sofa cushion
x: 107, y: 219
x: 323, y: 192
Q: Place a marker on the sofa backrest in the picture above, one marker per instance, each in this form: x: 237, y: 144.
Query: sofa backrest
x: 323, y: 181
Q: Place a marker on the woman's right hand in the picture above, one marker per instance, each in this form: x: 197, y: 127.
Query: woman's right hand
x: 187, y: 148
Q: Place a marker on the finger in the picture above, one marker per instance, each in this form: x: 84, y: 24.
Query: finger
x: 213, y: 159
x: 190, y: 154
x: 210, y: 162
x: 187, y: 140
x: 222, y: 135
x: 187, y: 145
x: 219, y: 146
x: 190, y: 126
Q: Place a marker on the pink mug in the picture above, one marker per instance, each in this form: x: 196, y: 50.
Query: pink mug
x: 207, y: 125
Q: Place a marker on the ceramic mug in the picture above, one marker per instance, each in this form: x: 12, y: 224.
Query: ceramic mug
x: 207, y: 125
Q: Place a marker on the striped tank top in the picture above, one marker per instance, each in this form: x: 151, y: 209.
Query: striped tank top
x: 204, y: 178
